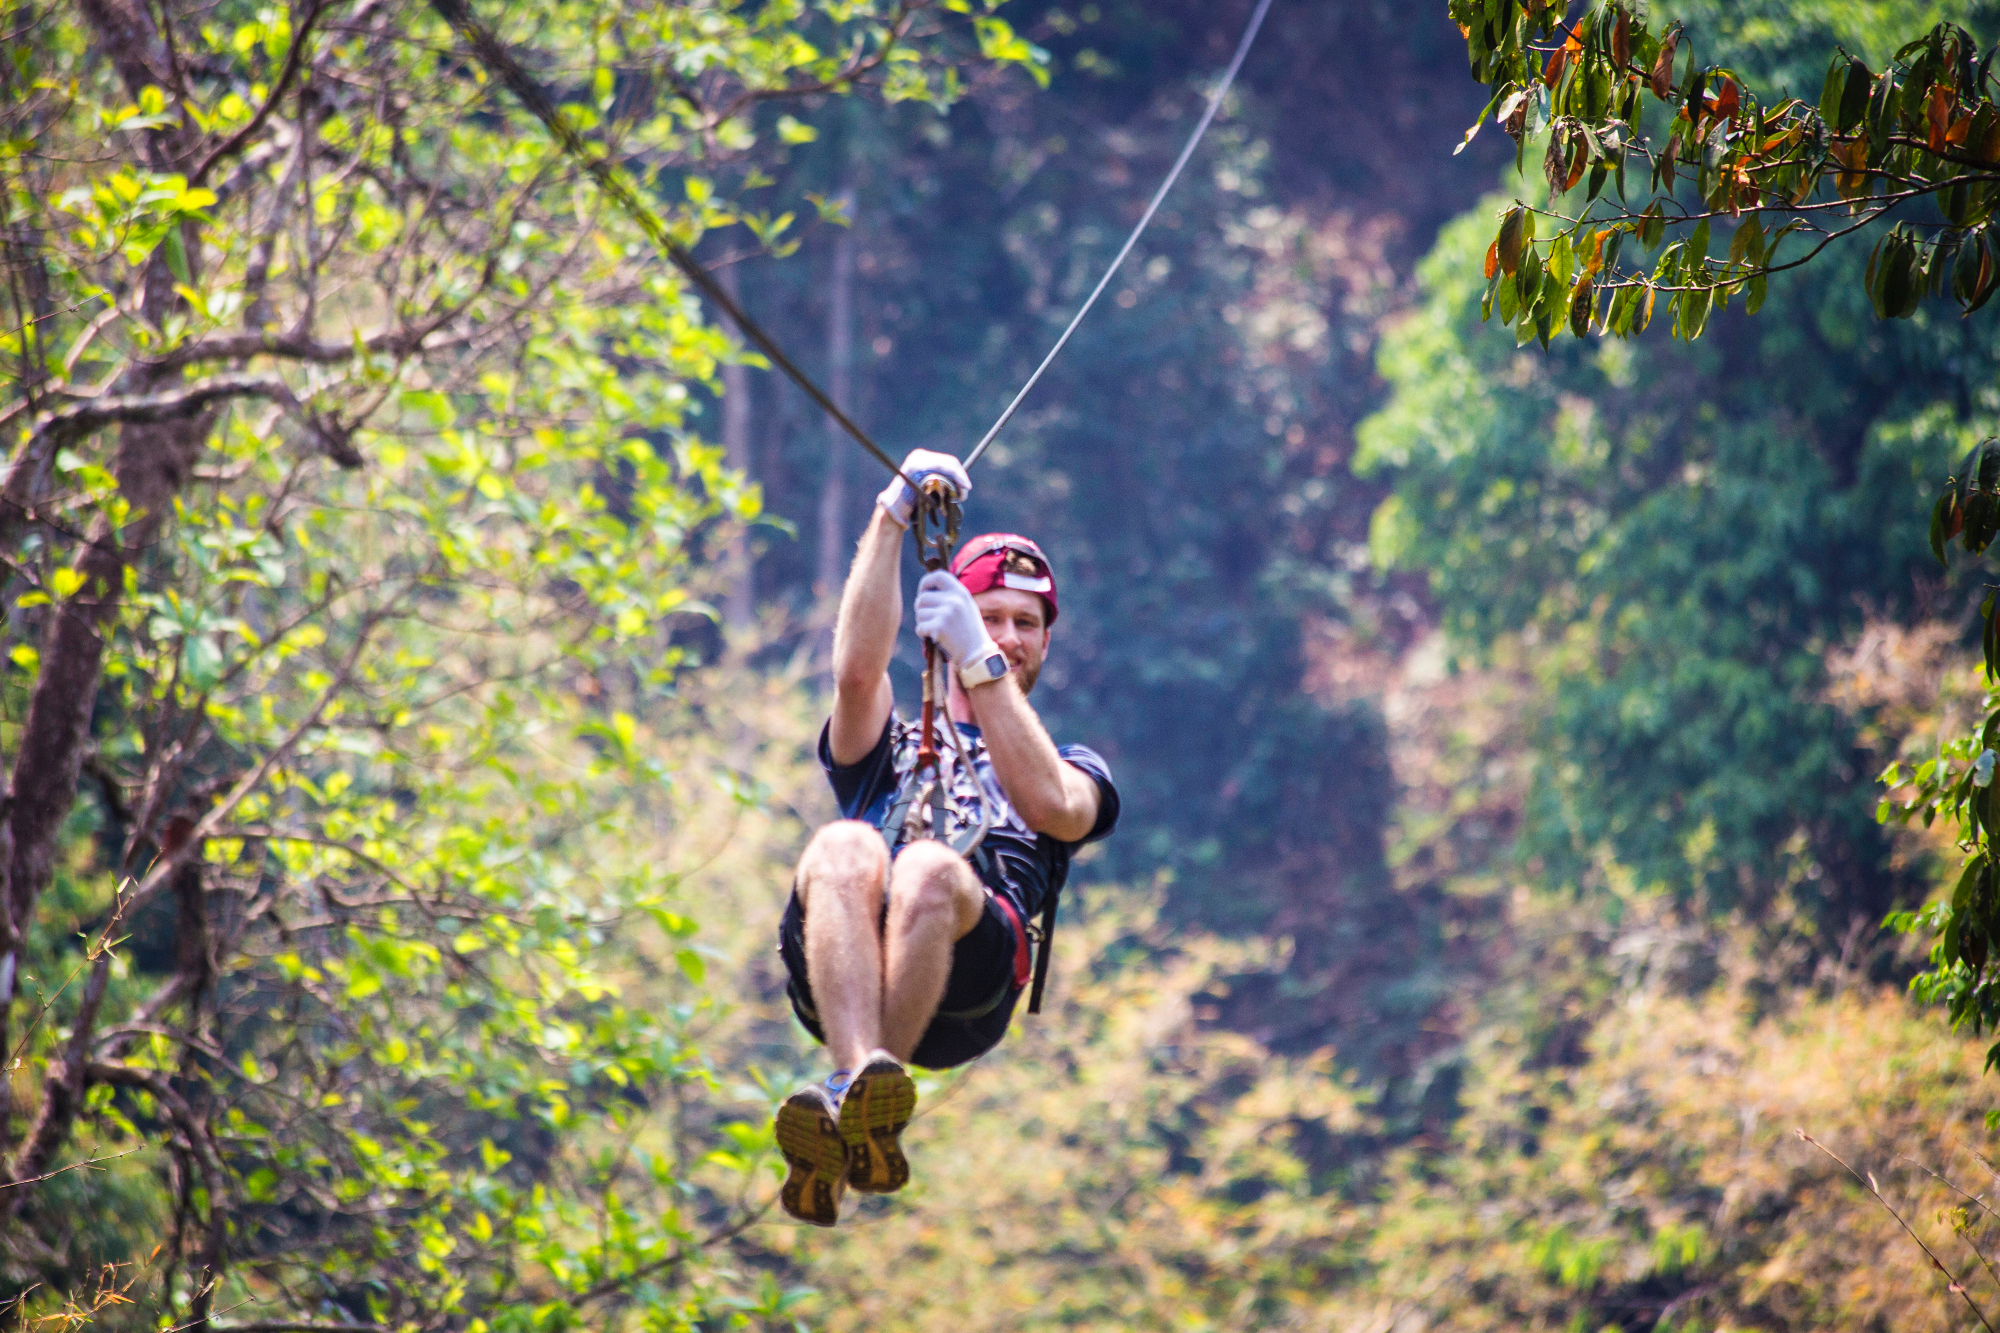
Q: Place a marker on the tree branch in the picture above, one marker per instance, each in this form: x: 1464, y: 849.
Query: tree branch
x: 234, y: 143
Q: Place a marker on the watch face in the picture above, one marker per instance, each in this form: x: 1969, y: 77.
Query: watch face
x: 996, y: 665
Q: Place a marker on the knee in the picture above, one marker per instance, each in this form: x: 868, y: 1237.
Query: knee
x: 930, y: 878
x: 844, y: 857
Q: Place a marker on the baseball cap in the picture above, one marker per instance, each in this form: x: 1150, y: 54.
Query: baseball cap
x: 1006, y: 560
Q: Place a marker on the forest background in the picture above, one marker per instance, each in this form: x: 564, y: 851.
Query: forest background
x: 1499, y: 888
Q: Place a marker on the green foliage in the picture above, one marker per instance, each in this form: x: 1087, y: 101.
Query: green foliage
x: 1766, y: 167
x: 1676, y: 535
x: 1957, y: 785
x: 350, y: 958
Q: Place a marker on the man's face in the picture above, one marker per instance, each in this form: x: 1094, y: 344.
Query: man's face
x: 1017, y: 622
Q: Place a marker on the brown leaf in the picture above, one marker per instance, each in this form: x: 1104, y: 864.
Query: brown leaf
x: 1559, y: 59
x: 1938, y: 104
x: 1724, y: 105
x: 1579, y: 158
x: 1493, y: 259
x: 1853, y: 159
x: 1959, y: 129
x: 1582, y: 306
x: 1555, y: 163
x: 1593, y: 254
x: 1663, y: 68
x: 1621, y: 41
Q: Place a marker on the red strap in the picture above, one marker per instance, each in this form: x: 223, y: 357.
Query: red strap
x: 1022, y: 960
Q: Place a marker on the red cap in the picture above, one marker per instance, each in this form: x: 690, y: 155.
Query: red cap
x: 1004, y: 560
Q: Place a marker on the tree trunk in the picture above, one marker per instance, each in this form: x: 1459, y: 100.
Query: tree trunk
x: 833, y: 535
x: 153, y: 463
x: 739, y: 606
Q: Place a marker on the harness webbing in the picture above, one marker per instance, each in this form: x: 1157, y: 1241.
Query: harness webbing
x: 503, y: 67
x: 1159, y: 197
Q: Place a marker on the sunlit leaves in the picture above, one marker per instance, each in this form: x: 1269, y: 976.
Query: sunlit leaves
x: 413, y: 634
x: 1926, y: 127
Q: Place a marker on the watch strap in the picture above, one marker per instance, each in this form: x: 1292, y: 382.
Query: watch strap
x: 984, y: 668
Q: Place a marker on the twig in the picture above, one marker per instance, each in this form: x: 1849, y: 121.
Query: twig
x: 1868, y: 1182
x: 234, y: 143
x: 73, y: 1166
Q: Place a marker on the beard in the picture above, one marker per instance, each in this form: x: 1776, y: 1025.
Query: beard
x: 1027, y: 674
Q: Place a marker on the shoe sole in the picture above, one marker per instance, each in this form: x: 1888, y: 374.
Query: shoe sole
x: 816, y: 1155
x: 877, y: 1108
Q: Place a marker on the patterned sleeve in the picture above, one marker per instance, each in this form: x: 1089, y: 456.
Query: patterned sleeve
x: 1091, y: 762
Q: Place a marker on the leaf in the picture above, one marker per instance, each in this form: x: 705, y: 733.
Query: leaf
x: 1939, y: 103
x: 1582, y: 306
x: 1989, y: 279
x: 1726, y: 103
x: 1652, y: 226
x: 1853, y: 97
x: 1621, y: 42
x: 1492, y: 259
x: 1747, y: 245
x: 1555, y: 163
x: 1829, y: 93
x: 1941, y: 515
x: 1552, y: 70
x: 1852, y: 158
x: 1662, y: 77
x: 1758, y: 286
x: 1508, y: 243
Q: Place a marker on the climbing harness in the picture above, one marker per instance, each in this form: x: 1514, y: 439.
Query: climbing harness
x: 929, y: 789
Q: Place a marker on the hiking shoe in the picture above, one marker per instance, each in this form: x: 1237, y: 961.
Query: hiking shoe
x: 877, y: 1106
x: 816, y: 1155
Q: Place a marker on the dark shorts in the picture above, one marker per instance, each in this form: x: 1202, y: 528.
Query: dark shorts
x: 988, y: 972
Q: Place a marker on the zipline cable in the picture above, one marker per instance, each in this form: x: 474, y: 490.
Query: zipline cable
x: 1214, y: 105
x: 504, y: 68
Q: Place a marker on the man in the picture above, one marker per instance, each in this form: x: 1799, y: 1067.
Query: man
x: 901, y: 950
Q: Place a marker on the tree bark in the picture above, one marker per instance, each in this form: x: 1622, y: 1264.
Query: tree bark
x: 833, y: 536
x: 153, y: 462
x: 739, y: 607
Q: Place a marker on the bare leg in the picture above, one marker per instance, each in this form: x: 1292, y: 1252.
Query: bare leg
x: 934, y: 901
x: 840, y: 884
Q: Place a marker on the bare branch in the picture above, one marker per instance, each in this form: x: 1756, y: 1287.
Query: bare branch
x: 234, y: 143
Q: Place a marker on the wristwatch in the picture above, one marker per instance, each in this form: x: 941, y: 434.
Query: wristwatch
x: 983, y: 670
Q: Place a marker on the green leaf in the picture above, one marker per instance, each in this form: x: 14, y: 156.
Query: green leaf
x: 1853, y: 97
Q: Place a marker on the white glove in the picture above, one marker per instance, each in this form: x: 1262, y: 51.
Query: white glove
x: 899, y: 501
x: 947, y: 615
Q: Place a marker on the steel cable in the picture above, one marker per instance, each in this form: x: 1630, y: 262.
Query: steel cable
x: 503, y: 67
x: 1214, y: 105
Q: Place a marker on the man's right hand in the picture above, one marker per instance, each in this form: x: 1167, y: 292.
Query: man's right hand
x: 899, y: 501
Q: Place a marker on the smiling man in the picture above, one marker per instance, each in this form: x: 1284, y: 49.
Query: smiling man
x: 900, y: 950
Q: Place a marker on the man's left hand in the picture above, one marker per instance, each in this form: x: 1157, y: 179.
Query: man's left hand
x: 947, y: 615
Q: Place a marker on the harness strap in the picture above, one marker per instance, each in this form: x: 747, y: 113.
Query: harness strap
x: 1044, y: 945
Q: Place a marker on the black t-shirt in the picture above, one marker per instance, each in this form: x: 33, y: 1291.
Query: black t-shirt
x: 1029, y: 865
